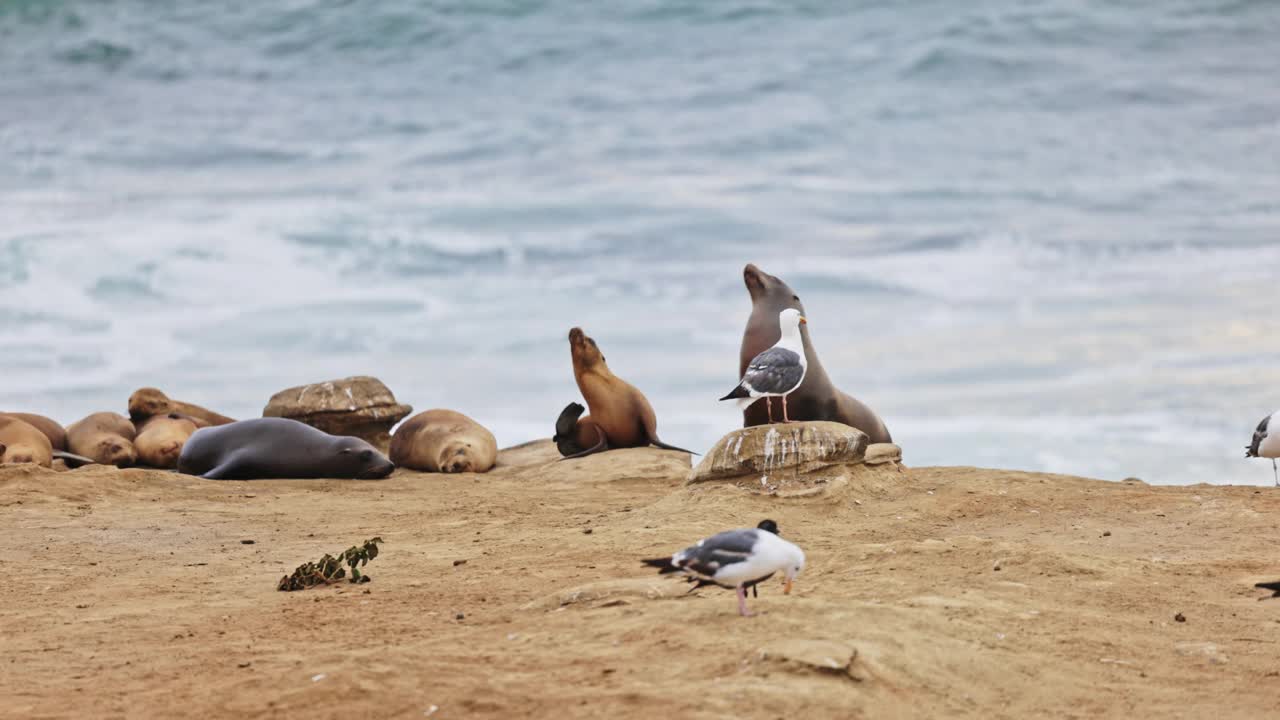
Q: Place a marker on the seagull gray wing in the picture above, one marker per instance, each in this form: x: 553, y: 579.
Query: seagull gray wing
x: 1258, y: 436
x: 776, y: 370
x: 722, y: 549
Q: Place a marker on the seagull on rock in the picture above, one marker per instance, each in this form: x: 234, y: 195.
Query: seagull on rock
x: 737, y: 559
x: 776, y: 372
x: 1266, y: 444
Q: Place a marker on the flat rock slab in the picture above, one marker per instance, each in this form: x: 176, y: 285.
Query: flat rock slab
x: 825, y: 655
x: 359, y: 406
x: 650, y: 589
x: 764, y: 449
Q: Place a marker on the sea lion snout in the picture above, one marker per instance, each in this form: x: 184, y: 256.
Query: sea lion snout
x: 455, y: 458
x: 754, y: 278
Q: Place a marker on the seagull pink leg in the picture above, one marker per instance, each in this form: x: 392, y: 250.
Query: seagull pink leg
x: 785, y: 419
x: 768, y: 403
x: 742, y: 602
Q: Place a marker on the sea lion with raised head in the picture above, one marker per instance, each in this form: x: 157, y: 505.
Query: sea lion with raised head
x: 816, y: 398
x: 620, y: 415
x: 149, y: 402
x: 160, y: 439
x: 105, y: 438
x: 263, y: 448
x: 443, y: 441
x: 22, y: 442
x: 51, y: 428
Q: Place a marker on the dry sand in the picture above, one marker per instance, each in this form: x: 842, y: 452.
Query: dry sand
x: 956, y: 591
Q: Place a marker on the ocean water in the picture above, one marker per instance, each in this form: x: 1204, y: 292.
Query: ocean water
x: 1035, y: 235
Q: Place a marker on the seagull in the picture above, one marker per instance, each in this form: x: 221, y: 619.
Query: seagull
x: 777, y: 371
x: 737, y: 559
x: 1266, y: 445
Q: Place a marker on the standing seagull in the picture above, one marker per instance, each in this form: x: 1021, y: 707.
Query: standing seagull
x: 737, y: 559
x: 777, y: 371
x: 1265, y: 444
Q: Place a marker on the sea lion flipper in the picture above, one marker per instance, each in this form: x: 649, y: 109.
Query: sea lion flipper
x: 659, y: 444
x: 600, y: 446
x: 72, y: 460
x: 225, y: 471
x: 568, y: 420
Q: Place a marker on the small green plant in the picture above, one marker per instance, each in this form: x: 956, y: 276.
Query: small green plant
x: 329, y: 569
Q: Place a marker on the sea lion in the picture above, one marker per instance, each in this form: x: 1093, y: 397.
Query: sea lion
x: 816, y: 398
x: 150, y: 402
x: 105, y: 438
x: 621, y: 416
x: 22, y: 442
x: 572, y: 437
x: 51, y: 428
x: 443, y: 441
x: 263, y: 448
x: 160, y: 439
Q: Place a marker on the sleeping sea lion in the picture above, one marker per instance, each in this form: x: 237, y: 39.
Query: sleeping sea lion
x: 816, y: 398
x: 55, y: 432
x: 272, y: 447
x: 621, y: 416
x: 443, y: 441
x: 105, y: 438
x: 150, y: 402
x: 160, y: 439
x: 21, y: 442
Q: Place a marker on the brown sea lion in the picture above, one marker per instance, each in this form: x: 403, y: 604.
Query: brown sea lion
x: 21, y: 442
x: 443, y: 441
x: 150, y: 402
x: 621, y: 416
x: 816, y: 398
x: 55, y: 432
x: 104, y: 437
x: 160, y: 439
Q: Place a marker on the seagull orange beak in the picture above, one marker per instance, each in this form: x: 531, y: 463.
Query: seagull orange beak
x: 786, y: 586
x: 803, y: 321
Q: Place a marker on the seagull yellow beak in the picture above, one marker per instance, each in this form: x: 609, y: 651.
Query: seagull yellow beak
x: 786, y: 586
x: 803, y: 321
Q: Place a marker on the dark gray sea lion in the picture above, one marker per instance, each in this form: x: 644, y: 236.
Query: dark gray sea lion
x: 816, y: 398
x: 264, y: 448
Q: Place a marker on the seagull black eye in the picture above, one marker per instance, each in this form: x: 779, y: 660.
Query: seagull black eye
x: 796, y: 298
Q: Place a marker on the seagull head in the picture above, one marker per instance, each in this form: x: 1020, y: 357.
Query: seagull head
x: 789, y: 321
x: 795, y: 564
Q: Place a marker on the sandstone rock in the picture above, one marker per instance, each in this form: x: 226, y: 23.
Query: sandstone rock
x: 797, y: 447
x: 881, y: 453
x: 358, y: 406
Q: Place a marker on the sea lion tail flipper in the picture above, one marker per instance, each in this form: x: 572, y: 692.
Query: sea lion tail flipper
x: 1272, y: 586
x: 72, y: 460
x: 659, y: 444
